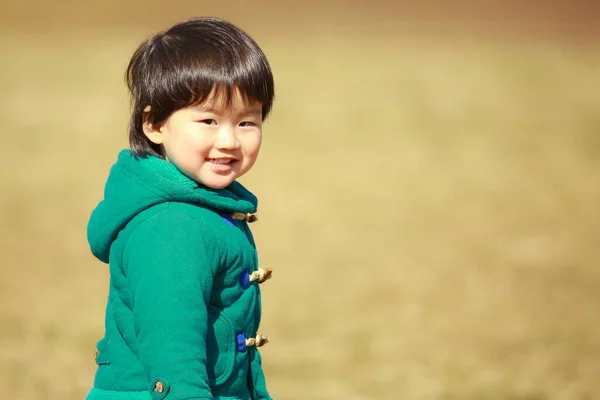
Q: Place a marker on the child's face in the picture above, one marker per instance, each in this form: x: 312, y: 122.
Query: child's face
x: 212, y: 143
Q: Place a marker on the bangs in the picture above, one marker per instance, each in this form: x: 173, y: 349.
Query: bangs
x: 222, y: 85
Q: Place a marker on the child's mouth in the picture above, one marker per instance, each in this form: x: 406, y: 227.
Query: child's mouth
x: 220, y: 161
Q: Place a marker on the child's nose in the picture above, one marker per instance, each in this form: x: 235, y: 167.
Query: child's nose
x: 226, y: 139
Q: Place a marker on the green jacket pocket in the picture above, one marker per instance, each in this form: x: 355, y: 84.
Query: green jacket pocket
x: 220, y: 347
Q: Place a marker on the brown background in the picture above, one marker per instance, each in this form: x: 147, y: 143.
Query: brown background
x: 429, y: 186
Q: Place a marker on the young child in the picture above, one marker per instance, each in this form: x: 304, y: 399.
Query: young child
x: 184, y: 304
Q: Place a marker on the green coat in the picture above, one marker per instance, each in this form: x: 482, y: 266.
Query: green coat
x: 180, y: 305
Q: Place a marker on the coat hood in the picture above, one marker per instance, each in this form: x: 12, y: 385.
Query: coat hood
x: 135, y: 184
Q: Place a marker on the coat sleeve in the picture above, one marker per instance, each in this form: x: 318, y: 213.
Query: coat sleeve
x: 170, y: 272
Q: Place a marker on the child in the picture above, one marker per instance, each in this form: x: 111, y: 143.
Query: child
x: 184, y: 306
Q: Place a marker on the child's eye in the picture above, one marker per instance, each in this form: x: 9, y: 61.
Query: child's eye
x: 247, y: 123
x: 208, y: 121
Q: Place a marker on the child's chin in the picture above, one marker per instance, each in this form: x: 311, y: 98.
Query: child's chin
x: 219, y: 184
x: 213, y: 181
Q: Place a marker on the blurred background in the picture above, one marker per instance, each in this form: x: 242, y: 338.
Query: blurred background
x: 429, y: 191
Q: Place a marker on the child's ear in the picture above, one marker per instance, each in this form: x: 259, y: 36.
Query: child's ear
x: 152, y: 132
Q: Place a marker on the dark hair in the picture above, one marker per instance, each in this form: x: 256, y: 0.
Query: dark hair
x: 184, y: 65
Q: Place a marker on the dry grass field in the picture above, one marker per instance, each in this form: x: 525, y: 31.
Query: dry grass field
x: 430, y: 206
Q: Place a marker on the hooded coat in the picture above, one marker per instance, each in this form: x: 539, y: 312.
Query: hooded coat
x: 180, y: 303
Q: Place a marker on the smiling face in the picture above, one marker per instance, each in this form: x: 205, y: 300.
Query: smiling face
x: 213, y: 143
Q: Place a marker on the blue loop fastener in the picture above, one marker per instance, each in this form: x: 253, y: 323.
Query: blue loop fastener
x: 245, y: 279
x: 240, y: 342
x: 227, y: 218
